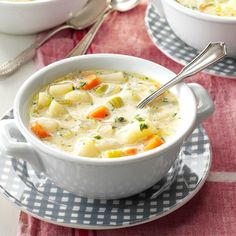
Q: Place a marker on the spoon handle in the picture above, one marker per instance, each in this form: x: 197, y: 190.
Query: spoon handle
x: 82, y: 46
x: 27, y: 54
x: 211, y: 54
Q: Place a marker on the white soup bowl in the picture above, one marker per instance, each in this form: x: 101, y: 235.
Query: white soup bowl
x: 198, y: 29
x: 102, y: 178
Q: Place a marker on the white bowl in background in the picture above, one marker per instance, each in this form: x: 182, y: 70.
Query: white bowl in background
x: 102, y: 178
x: 33, y: 17
x: 198, y: 29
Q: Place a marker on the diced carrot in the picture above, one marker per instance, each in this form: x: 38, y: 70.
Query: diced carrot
x: 38, y: 130
x: 148, y: 137
x: 153, y: 143
x: 130, y: 151
x: 91, y: 82
x: 99, y: 113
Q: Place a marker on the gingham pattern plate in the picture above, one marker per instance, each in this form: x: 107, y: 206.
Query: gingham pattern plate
x: 35, y: 194
x: 172, y: 46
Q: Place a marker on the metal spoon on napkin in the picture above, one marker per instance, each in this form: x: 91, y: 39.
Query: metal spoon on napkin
x: 114, y: 5
x: 211, y: 54
x: 86, y: 17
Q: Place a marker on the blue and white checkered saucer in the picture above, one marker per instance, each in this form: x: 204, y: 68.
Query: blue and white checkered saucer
x: 38, y: 196
x: 172, y: 46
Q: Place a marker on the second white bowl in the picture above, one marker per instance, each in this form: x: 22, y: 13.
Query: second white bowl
x: 198, y: 29
x: 33, y: 17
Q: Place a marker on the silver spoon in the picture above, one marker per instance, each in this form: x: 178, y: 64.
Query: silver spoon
x: 86, y: 17
x: 114, y: 5
x: 211, y: 54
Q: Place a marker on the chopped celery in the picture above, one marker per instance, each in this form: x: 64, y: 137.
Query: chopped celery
x: 116, y: 102
x: 101, y: 89
x: 113, y: 89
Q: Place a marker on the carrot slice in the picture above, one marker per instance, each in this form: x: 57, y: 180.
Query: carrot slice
x: 99, y: 113
x: 150, y: 136
x: 130, y: 151
x: 153, y: 143
x: 38, y: 130
x: 91, y: 82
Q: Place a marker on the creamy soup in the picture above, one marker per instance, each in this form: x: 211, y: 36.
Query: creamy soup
x: 94, y: 114
x: 213, y: 7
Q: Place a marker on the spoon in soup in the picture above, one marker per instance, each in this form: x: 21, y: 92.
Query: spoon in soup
x: 210, y: 55
x: 83, y: 19
x: 113, y: 5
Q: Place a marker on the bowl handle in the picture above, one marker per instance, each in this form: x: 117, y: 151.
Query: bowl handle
x: 158, y: 7
x: 13, y: 144
x: 205, y: 104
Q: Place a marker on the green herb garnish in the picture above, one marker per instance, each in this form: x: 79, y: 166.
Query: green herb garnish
x: 82, y: 84
x: 97, y: 137
x: 120, y: 119
x: 165, y: 100
x: 137, y: 117
x: 143, y: 126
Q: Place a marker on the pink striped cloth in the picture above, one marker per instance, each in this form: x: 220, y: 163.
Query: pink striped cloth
x: 213, y: 210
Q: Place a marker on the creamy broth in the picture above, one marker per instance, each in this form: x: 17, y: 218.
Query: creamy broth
x: 94, y: 114
x: 213, y: 7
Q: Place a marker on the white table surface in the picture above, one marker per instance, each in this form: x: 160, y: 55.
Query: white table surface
x: 9, y: 47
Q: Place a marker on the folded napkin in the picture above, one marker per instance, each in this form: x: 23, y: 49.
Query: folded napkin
x: 213, y: 210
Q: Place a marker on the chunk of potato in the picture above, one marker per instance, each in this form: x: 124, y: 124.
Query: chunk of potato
x: 60, y: 89
x: 132, y: 133
x: 86, y: 148
x: 106, y: 130
x: 117, y: 77
x: 48, y: 124
x: 44, y: 100
x: 107, y: 144
x: 56, y: 109
x: 132, y: 96
x: 77, y: 96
